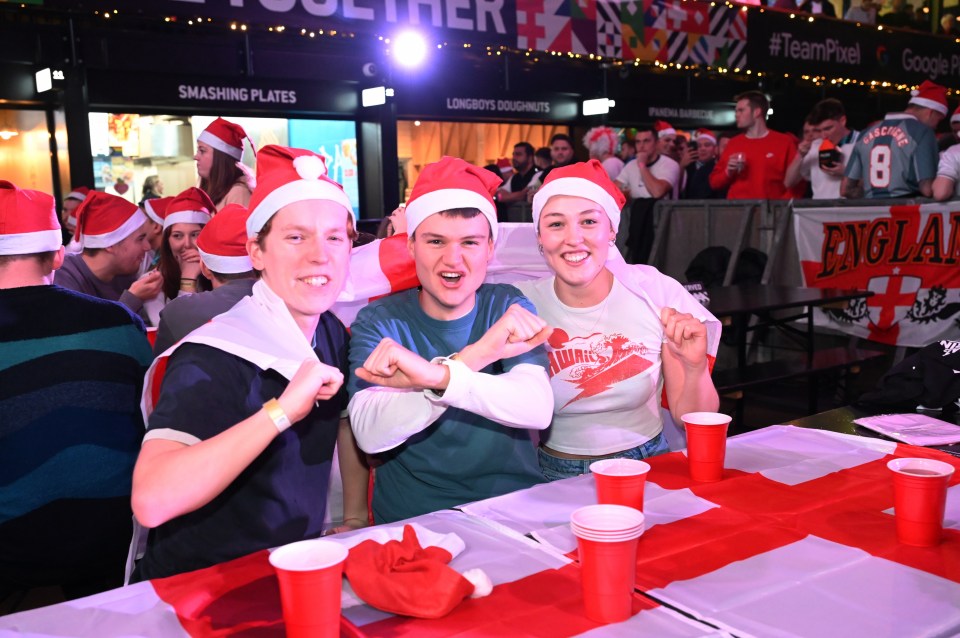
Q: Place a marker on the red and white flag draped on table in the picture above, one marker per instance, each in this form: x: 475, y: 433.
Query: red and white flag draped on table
x: 906, y: 255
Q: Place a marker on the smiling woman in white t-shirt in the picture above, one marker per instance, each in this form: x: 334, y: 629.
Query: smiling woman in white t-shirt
x: 623, y: 335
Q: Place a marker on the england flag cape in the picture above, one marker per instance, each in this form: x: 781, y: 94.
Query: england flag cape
x: 259, y: 329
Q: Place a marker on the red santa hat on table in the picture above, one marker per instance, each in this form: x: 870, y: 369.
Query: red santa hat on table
x: 104, y: 220
x: 226, y: 137
x: 192, y: 206
x: 584, y: 179
x: 452, y: 183
x: 930, y: 95
x: 28, y: 221
x: 956, y: 115
x: 222, y: 243
x: 705, y: 134
x: 404, y: 577
x: 156, y: 208
x: 663, y: 129
x: 288, y: 175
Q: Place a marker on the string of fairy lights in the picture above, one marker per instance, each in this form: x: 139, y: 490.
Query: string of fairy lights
x: 535, y: 56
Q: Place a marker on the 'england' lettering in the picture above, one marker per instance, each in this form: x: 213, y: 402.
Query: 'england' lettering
x: 847, y: 245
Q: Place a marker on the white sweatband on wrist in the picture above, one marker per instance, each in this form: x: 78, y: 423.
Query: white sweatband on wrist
x: 277, y: 415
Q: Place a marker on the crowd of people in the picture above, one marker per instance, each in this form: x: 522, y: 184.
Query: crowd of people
x: 221, y: 438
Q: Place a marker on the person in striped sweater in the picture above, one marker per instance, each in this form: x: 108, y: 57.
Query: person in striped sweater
x: 71, y: 368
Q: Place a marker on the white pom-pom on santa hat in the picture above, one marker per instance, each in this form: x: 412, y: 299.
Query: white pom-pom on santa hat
x: 309, y: 166
x: 482, y: 585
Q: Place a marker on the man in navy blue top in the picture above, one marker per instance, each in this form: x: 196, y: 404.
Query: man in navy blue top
x: 239, y: 445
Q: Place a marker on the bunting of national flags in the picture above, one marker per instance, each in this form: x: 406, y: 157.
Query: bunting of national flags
x: 666, y: 31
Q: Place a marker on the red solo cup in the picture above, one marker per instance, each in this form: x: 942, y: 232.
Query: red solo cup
x: 310, y: 574
x: 706, y: 444
x: 919, y: 499
x: 620, y: 481
x: 607, y: 537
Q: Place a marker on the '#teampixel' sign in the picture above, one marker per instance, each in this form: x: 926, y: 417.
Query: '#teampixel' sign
x: 908, y: 256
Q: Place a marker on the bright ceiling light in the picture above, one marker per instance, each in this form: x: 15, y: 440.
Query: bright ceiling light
x: 409, y: 49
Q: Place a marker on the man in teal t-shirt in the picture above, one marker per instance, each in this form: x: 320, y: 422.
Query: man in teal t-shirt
x: 448, y: 381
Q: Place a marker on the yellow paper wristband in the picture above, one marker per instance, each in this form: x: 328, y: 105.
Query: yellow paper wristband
x: 277, y: 415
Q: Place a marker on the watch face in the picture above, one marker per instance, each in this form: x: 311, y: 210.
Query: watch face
x: 830, y: 157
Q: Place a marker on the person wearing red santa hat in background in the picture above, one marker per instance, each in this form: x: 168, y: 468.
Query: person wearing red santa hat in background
x: 68, y: 218
x: 240, y: 436
x: 179, y: 260
x: 631, y: 330
x: 666, y: 139
x: 113, y: 235
x: 897, y: 157
x: 222, y: 247
x: 219, y: 157
x: 449, y: 379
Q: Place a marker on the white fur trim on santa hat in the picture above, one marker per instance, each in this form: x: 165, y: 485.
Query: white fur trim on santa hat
x: 76, y: 195
x: 576, y: 187
x: 939, y: 107
x: 40, y: 241
x: 706, y: 136
x: 446, y: 199
x: 186, y: 217
x: 291, y: 192
x: 152, y: 214
x: 212, y: 140
x: 226, y: 265
x: 666, y: 131
x: 955, y: 117
x: 135, y: 221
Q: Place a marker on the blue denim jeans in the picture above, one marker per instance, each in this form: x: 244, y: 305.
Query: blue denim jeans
x: 555, y: 468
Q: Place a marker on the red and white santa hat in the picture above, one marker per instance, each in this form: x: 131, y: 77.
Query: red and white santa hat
x: 452, y: 183
x: 663, y: 129
x: 583, y: 179
x: 222, y: 243
x: 192, y: 206
x: 956, y: 115
x: 104, y: 220
x: 156, y: 208
x: 930, y: 95
x: 78, y: 193
x: 28, y: 221
x: 705, y: 134
x: 287, y: 175
x: 504, y: 165
x: 225, y: 136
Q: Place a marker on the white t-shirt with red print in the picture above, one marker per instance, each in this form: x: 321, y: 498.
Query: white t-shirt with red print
x: 604, y: 370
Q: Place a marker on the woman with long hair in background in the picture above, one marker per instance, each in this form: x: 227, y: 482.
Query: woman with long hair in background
x: 219, y: 157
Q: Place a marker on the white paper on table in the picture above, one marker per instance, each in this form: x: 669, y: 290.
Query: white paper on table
x: 913, y: 428
x: 543, y: 511
x: 791, y: 455
x: 818, y: 588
